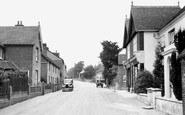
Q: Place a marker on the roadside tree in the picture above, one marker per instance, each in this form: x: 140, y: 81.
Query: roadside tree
x: 159, y: 69
x: 109, y: 58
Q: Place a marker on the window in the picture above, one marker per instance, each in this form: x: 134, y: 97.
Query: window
x: 128, y: 51
x: 53, y: 68
x: 49, y: 67
x: 135, y: 44
x: 140, y: 41
x: 37, y: 54
x: 1, y: 53
x: 141, y: 66
x: 37, y: 76
x: 171, y: 35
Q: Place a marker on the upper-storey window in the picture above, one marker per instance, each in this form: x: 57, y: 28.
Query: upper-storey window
x: 1, y: 53
x: 135, y: 44
x: 140, y: 41
x: 171, y: 35
x: 128, y: 51
x: 37, y: 54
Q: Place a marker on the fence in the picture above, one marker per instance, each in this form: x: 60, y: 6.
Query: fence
x: 4, y: 89
x: 35, y: 89
x: 48, y: 86
x: 58, y: 87
x: 19, y: 83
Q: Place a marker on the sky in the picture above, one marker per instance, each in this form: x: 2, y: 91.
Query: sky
x: 75, y: 28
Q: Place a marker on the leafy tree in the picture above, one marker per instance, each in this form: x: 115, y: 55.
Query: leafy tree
x: 175, y: 77
x: 109, y: 57
x: 70, y: 72
x: 144, y: 80
x: 89, y: 72
x: 159, y: 69
x: 74, y: 71
x: 98, y: 67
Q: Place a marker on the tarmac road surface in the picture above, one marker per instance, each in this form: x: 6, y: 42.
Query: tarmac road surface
x: 86, y: 99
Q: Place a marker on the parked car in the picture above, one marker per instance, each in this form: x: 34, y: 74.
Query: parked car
x: 99, y: 83
x: 68, y: 85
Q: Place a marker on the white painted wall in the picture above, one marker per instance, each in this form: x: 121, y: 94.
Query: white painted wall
x: 177, y: 23
x: 149, y: 50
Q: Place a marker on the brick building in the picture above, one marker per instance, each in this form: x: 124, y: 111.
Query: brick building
x: 57, y: 61
x: 23, y: 46
x: 50, y: 72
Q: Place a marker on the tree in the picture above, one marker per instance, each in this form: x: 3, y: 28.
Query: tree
x: 109, y: 57
x: 70, y: 72
x: 175, y: 77
x: 74, y: 71
x: 89, y: 72
x: 159, y: 69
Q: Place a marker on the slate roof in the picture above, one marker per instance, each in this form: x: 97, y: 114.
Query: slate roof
x: 8, y: 65
x: 126, y: 31
x: 152, y: 17
x: 48, y: 59
x: 174, y: 17
x: 19, y: 35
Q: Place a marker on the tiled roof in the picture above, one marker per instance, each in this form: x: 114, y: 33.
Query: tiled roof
x: 174, y: 17
x: 19, y: 35
x: 8, y: 65
x: 48, y: 59
x: 152, y: 17
x: 126, y: 31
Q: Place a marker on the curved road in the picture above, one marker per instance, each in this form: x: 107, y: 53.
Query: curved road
x: 86, y: 99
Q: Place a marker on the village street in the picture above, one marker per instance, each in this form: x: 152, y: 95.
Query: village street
x: 86, y: 99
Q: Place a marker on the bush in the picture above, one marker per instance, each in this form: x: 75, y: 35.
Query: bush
x: 144, y: 80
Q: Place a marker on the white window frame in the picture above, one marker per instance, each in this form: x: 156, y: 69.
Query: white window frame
x: 171, y: 35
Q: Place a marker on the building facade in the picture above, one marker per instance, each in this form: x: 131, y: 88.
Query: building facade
x: 139, y: 42
x: 166, y: 38
x: 23, y: 46
x: 50, y: 72
x: 57, y: 60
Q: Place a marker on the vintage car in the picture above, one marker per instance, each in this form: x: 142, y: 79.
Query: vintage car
x: 99, y: 83
x: 68, y: 85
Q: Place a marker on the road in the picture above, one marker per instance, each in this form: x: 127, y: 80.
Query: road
x: 86, y: 99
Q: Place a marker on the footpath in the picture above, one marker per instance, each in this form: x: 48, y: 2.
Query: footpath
x: 132, y: 98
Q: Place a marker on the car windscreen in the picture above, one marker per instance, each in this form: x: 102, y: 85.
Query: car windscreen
x: 67, y: 81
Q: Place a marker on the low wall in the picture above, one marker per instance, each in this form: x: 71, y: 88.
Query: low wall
x: 6, y: 103
x: 143, y: 97
x: 169, y: 106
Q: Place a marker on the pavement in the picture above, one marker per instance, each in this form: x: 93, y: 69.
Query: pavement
x: 129, y: 95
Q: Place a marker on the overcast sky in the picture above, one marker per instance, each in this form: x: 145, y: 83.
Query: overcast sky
x: 75, y: 28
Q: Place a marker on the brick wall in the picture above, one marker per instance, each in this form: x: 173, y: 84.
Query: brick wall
x: 21, y: 56
x: 44, y: 68
x: 183, y: 83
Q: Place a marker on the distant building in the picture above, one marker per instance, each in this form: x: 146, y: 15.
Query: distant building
x: 23, y: 47
x: 121, y: 72
x: 50, y: 72
x: 57, y: 60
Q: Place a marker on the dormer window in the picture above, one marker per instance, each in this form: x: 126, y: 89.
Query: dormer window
x: 171, y: 35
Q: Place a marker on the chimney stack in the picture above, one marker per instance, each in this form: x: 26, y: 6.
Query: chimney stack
x: 19, y: 23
